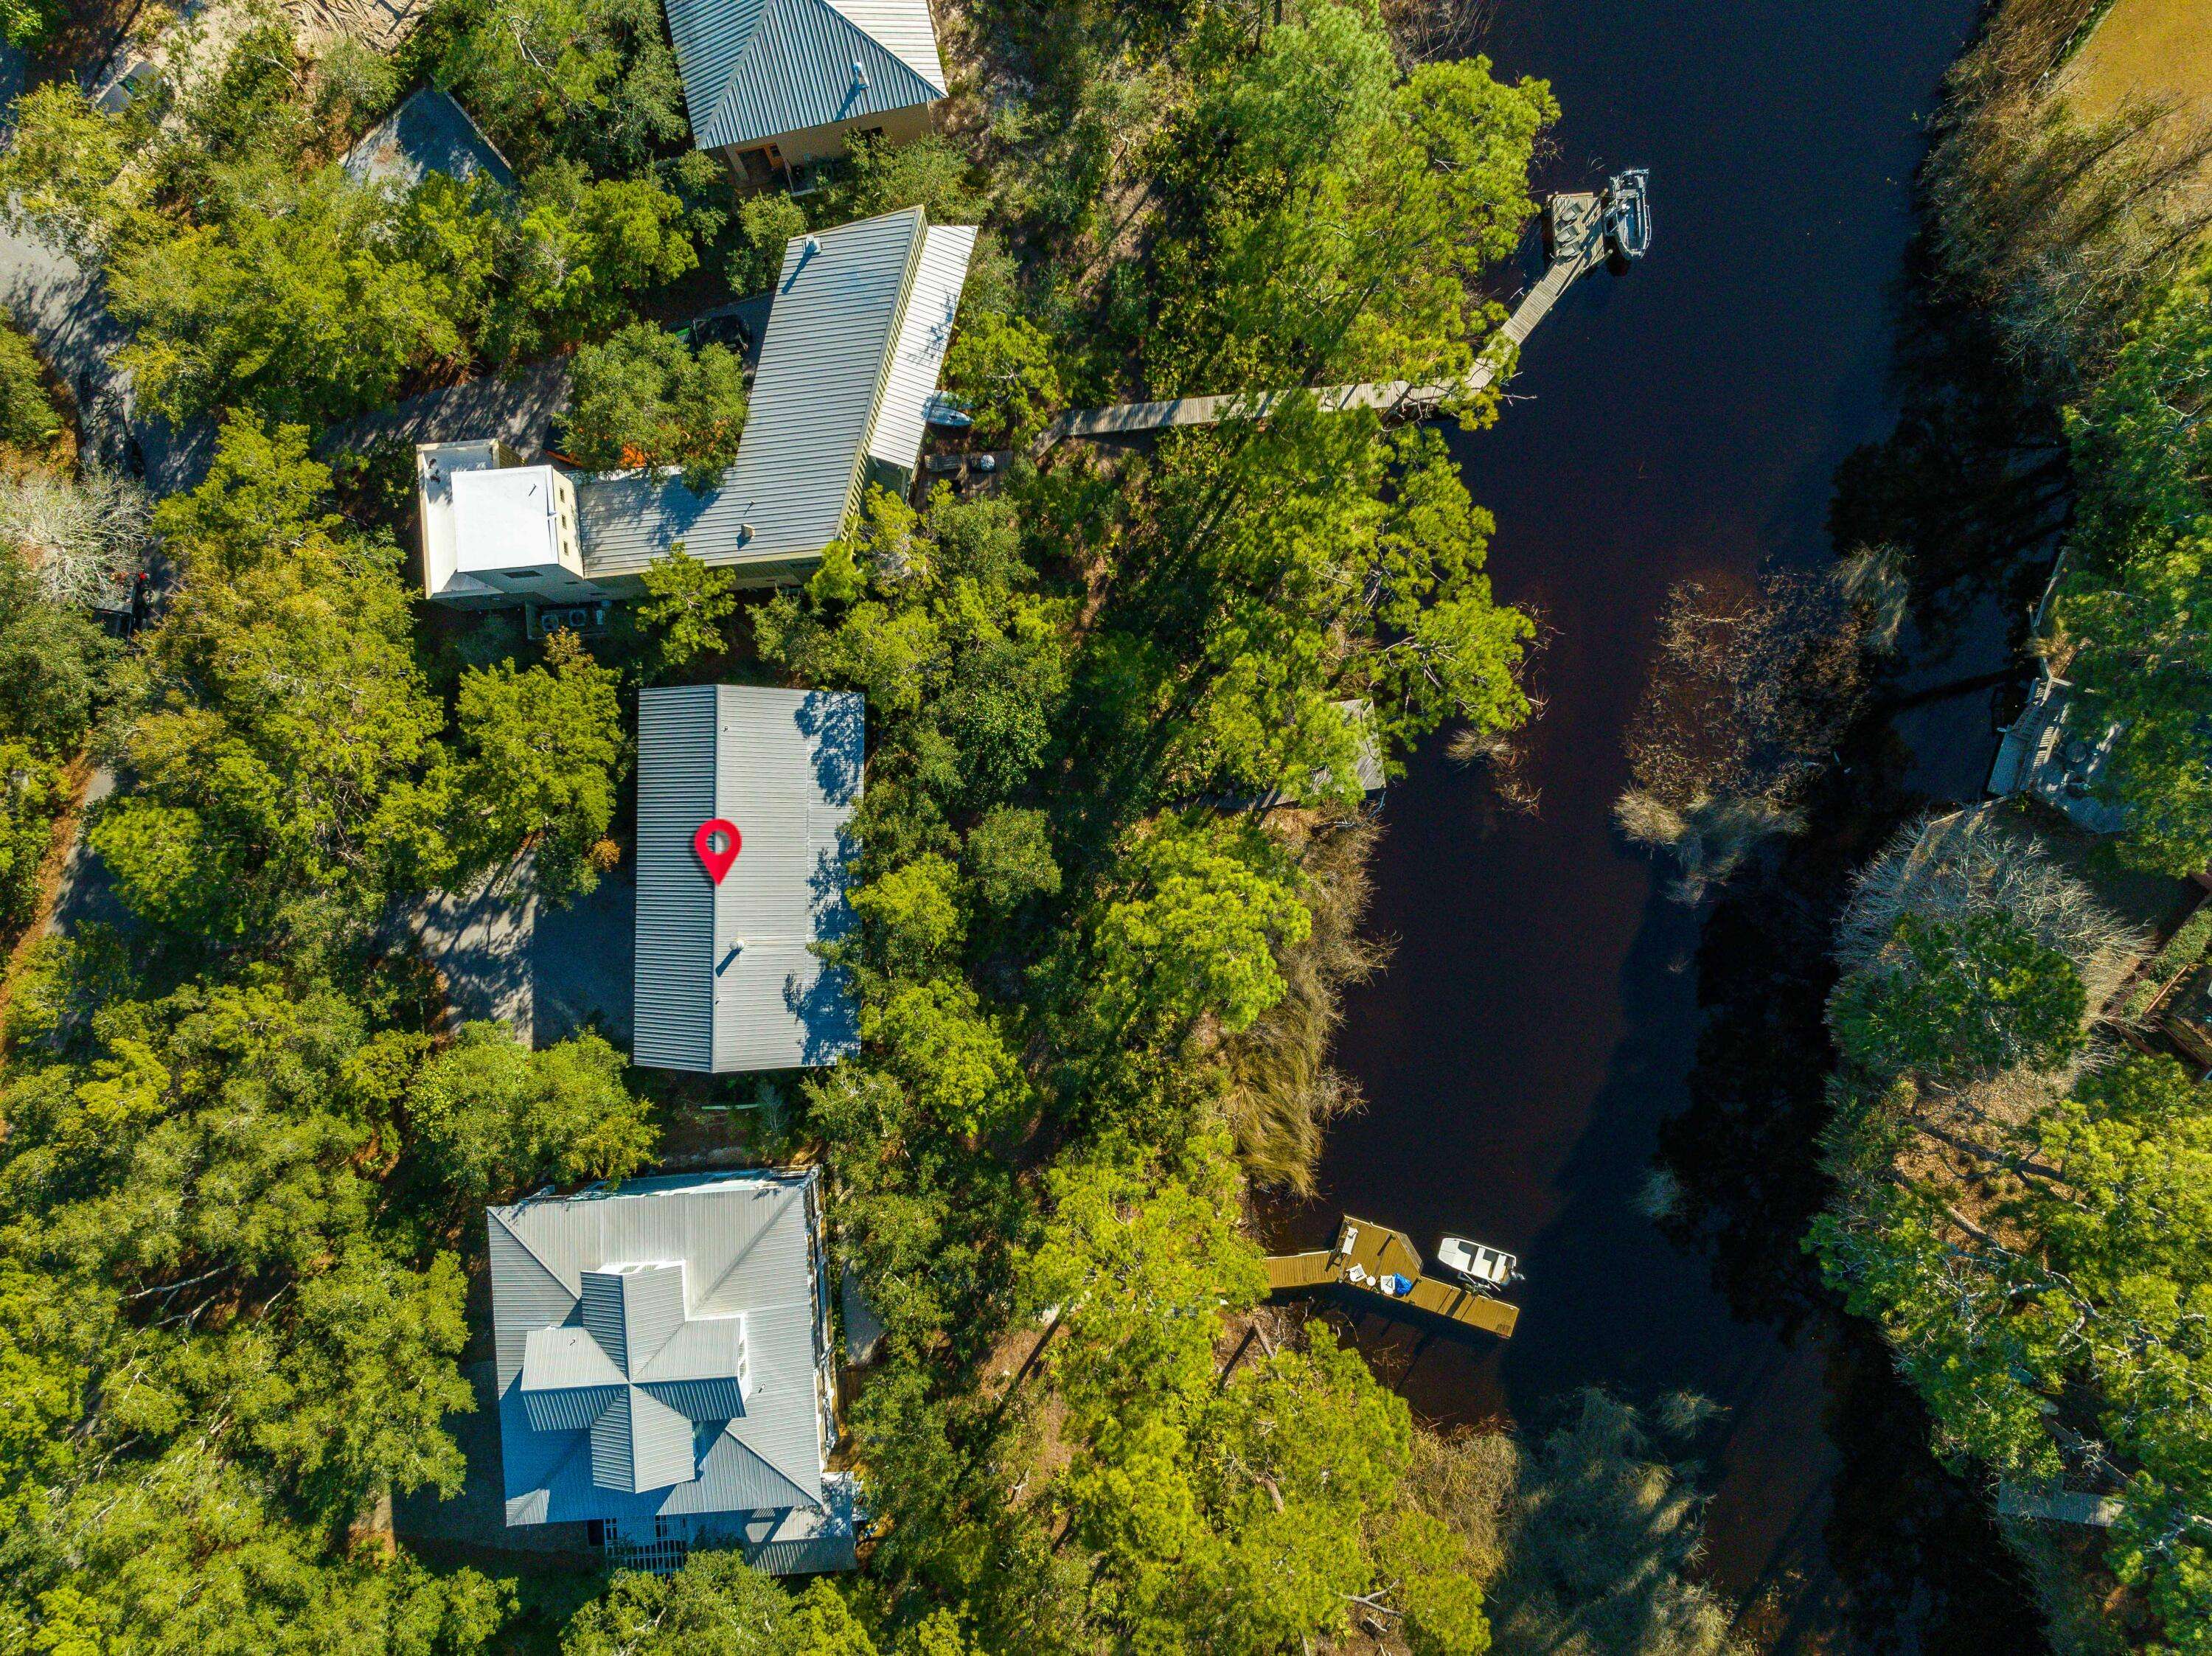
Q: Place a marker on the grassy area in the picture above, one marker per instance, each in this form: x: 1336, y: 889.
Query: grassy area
x: 2158, y: 50
x: 2161, y: 49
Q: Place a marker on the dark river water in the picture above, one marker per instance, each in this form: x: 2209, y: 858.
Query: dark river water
x: 1538, y: 1020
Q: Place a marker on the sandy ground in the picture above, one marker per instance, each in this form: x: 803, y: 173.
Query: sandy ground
x: 382, y: 24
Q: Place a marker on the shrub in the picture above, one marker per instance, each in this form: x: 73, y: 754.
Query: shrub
x: 27, y: 418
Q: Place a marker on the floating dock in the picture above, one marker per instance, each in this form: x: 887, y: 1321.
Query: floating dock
x: 1577, y: 238
x: 1373, y: 1258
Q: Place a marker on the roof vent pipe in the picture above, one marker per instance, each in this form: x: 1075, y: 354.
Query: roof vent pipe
x: 859, y: 76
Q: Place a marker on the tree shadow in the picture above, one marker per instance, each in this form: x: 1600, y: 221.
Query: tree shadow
x: 1974, y: 485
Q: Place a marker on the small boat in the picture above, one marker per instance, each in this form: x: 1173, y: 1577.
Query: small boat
x: 1628, y: 212
x: 1486, y: 1268
x: 942, y: 410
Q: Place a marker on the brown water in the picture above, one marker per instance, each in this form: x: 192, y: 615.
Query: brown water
x: 1540, y: 1020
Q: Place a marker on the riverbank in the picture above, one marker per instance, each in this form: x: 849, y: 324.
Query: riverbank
x: 1536, y: 1039
x: 2065, y: 201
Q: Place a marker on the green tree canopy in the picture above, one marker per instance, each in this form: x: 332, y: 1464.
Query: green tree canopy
x: 259, y: 275
x: 686, y: 602
x: 643, y: 398
x: 283, y: 745
x: 1211, y: 905
x: 1952, y: 1000
x: 767, y: 223
x: 591, y: 80
x: 2142, y: 571
x: 284, y: 300
x: 492, y: 1118
x: 27, y: 418
x: 1342, y: 212
x: 54, y: 663
x: 1010, y: 858
x: 1002, y: 367
x: 32, y: 795
x: 716, y: 1606
x: 241, y: 1347
x: 1225, y: 1512
x: 541, y: 753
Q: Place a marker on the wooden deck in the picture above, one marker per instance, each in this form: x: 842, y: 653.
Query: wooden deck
x: 1366, y: 1254
x: 1578, y: 238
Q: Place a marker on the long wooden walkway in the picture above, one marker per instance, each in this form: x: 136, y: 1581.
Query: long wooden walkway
x: 1373, y: 1259
x: 1577, y: 234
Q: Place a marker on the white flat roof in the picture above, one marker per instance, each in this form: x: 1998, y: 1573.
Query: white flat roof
x: 507, y: 518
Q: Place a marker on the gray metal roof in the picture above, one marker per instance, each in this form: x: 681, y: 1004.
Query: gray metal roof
x: 825, y: 364
x: 925, y: 329
x: 725, y: 978
x: 758, y: 69
x: 591, y: 1293
x: 429, y: 133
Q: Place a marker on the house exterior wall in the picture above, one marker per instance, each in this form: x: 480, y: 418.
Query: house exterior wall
x: 819, y: 143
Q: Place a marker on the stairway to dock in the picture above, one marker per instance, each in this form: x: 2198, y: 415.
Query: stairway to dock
x: 1578, y: 245
x: 1369, y: 1257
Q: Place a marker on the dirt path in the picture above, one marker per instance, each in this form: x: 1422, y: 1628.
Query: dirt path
x: 62, y: 869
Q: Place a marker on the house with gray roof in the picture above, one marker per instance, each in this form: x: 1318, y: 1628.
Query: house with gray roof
x: 727, y: 980
x: 862, y: 315
x: 429, y: 133
x: 663, y: 1365
x: 774, y: 87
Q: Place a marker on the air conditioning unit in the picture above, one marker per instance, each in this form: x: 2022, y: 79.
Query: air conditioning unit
x: 585, y: 620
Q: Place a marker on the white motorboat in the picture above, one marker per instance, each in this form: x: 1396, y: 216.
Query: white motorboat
x: 1486, y: 1268
x: 1628, y: 212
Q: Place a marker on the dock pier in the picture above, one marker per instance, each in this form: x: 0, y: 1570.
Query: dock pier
x: 1577, y: 238
x: 1373, y: 1259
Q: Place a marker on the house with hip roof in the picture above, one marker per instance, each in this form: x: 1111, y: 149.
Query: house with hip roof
x: 856, y: 334
x: 664, y: 1366
x: 775, y: 86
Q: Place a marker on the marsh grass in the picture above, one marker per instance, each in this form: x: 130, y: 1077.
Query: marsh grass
x: 2057, y: 219
x: 1752, y: 682
x: 1283, y: 1092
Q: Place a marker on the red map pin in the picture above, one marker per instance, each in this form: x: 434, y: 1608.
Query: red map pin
x: 717, y: 856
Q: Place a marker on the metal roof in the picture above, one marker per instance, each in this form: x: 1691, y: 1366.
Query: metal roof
x: 429, y: 133
x: 758, y: 69
x: 591, y: 1292
x: 825, y: 363
x: 725, y: 978
x: 925, y: 329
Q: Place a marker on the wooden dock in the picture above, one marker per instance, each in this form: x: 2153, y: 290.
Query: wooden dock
x: 1576, y: 225
x: 1367, y: 1257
